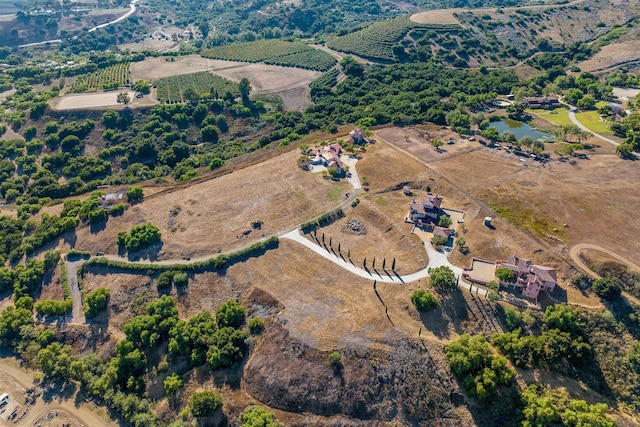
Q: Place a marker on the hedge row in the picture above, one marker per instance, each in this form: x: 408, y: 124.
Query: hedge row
x: 66, y: 290
x: 50, y: 307
x: 217, y: 263
x: 324, y: 219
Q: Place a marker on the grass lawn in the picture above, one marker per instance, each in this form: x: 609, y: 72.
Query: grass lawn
x: 591, y: 119
x: 559, y: 116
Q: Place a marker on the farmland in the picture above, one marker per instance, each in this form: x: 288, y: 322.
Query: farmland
x: 109, y: 78
x: 377, y: 40
x: 274, y: 52
x: 204, y: 84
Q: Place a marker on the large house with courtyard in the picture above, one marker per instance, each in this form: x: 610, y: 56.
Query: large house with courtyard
x: 425, y: 214
x: 531, y: 278
x: 329, y: 156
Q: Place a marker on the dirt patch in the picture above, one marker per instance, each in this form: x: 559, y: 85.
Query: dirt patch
x: 612, y: 55
x: 438, y: 16
x: 216, y: 215
x: 264, y: 78
x: 91, y: 100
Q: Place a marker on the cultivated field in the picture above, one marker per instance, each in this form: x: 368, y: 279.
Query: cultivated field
x: 264, y: 78
x: 204, y: 218
x: 93, y: 100
x: 438, y: 16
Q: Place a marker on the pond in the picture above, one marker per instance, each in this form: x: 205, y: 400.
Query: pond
x: 520, y: 129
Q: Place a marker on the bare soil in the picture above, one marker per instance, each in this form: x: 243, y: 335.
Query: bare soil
x: 264, y: 78
x: 612, y: 55
x: 202, y: 219
x: 91, y: 100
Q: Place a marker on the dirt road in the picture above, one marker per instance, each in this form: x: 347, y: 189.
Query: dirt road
x: 10, y: 366
x: 74, y: 288
x: 574, y: 254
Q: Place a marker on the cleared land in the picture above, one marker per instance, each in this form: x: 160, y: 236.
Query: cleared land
x: 438, y: 16
x: 559, y: 116
x: 611, y: 55
x: 264, y: 78
x: 203, y: 218
x: 93, y: 100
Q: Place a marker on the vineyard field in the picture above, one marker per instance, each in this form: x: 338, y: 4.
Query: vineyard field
x: 376, y: 41
x: 329, y: 79
x: 109, y: 78
x: 173, y: 89
x: 274, y: 52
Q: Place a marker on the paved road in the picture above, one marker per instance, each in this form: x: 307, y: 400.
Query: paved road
x: 132, y: 10
x: 436, y: 259
x: 574, y: 254
x: 573, y: 118
x: 74, y: 288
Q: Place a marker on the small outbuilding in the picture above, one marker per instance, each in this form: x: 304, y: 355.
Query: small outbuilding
x: 487, y: 221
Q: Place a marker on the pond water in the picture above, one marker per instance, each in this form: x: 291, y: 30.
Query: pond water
x: 520, y: 129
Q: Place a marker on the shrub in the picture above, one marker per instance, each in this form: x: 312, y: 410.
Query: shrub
x: 259, y: 417
x: 506, y: 274
x: 439, y: 240
x: 165, y: 279
x: 118, y: 209
x: 493, y: 285
x: 335, y: 359
x: 229, y: 313
x: 512, y: 317
x: 134, y: 194
x: 96, y: 302
x: 442, y: 277
x: 471, y: 360
x: 204, y: 403
x: 53, y: 308
x: 607, y: 288
x: 180, y: 279
x: 172, y: 384
x: 424, y: 300
x: 444, y: 221
x: 256, y: 325
x: 139, y: 237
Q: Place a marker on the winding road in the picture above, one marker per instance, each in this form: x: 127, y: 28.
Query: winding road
x: 574, y: 254
x: 132, y: 10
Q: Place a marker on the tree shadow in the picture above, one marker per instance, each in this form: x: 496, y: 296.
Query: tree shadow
x: 150, y: 253
x: 57, y: 390
x: 97, y: 226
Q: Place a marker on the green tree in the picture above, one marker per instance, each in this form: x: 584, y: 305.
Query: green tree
x: 424, y: 300
x: 259, y: 417
x: 505, y: 274
x: 444, y: 221
x: 512, y: 317
x: 123, y: 98
x: 491, y: 133
x: 245, y: 89
x: 230, y: 313
x: 204, y: 403
x: 256, y: 325
x: 457, y: 119
x: 442, y: 277
x: 437, y: 143
x: 172, y: 384
x: 134, y: 193
x: 439, y: 240
x: 607, y: 287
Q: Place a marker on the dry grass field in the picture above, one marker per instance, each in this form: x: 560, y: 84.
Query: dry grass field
x: 611, y: 55
x: 589, y: 195
x: 319, y: 304
x: 201, y: 219
x: 385, y: 238
x: 92, y: 100
x: 264, y: 78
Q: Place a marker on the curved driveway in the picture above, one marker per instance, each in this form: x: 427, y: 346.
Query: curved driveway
x: 574, y: 119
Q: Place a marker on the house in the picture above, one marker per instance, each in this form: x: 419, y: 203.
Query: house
x: 425, y: 214
x: 356, y: 136
x: 441, y: 232
x: 328, y: 154
x: 531, y: 278
x: 544, y: 102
